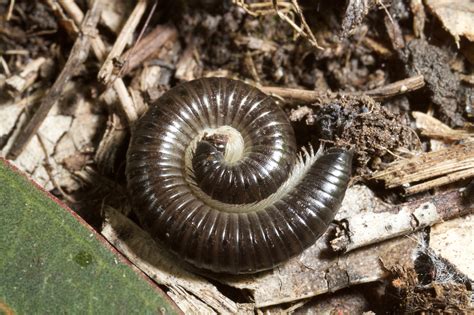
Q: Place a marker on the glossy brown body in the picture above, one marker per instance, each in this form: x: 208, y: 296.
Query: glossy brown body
x: 215, y: 238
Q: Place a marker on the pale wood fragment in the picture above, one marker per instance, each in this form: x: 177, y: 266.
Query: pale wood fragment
x: 457, y: 159
x: 433, y: 128
x: 389, y: 221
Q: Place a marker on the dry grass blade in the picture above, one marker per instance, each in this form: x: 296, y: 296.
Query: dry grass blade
x: 287, y: 11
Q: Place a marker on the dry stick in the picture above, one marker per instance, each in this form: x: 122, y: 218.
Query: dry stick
x: 106, y: 71
x: 148, y: 45
x: 78, y: 55
x: 10, y: 10
x: 139, y: 38
x: 389, y: 90
x: 76, y: 14
x: 72, y: 10
x: 127, y: 107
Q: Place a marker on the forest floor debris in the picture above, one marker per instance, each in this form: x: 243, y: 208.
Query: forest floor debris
x: 392, y: 79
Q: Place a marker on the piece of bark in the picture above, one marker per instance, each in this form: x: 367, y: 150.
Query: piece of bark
x: 445, y: 166
x: 355, y: 13
x: 389, y: 221
x: 112, y: 140
x: 9, y: 113
x: 442, y: 84
x: 315, y: 272
x: 419, y: 17
x: 186, y: 66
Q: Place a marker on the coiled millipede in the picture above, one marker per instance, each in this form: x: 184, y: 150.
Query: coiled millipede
x: 214, y: 175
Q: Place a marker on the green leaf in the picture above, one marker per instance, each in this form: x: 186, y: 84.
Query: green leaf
x: 51, y: 261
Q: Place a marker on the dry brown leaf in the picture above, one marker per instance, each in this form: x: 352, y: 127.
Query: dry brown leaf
x: 457, y: 17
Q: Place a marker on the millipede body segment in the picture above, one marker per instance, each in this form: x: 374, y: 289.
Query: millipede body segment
x: 214, y: 175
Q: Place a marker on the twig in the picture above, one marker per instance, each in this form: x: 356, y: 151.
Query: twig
x: 60, y: 8
x: 49, y: 169
x: 389, y: 90
x: 127, y: 107
x: 10, y: 10
x: 72, y: 10
x: 78, y: 55
x: 139, y: 38
x: 106, y: 71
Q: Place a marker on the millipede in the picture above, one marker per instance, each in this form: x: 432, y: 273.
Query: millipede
x: 214, y: 175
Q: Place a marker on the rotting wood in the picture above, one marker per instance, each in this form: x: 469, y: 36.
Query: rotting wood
x: 390, y: 221
x: 436, y: 166
x: 389, y: 90
x: 78, y: 55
